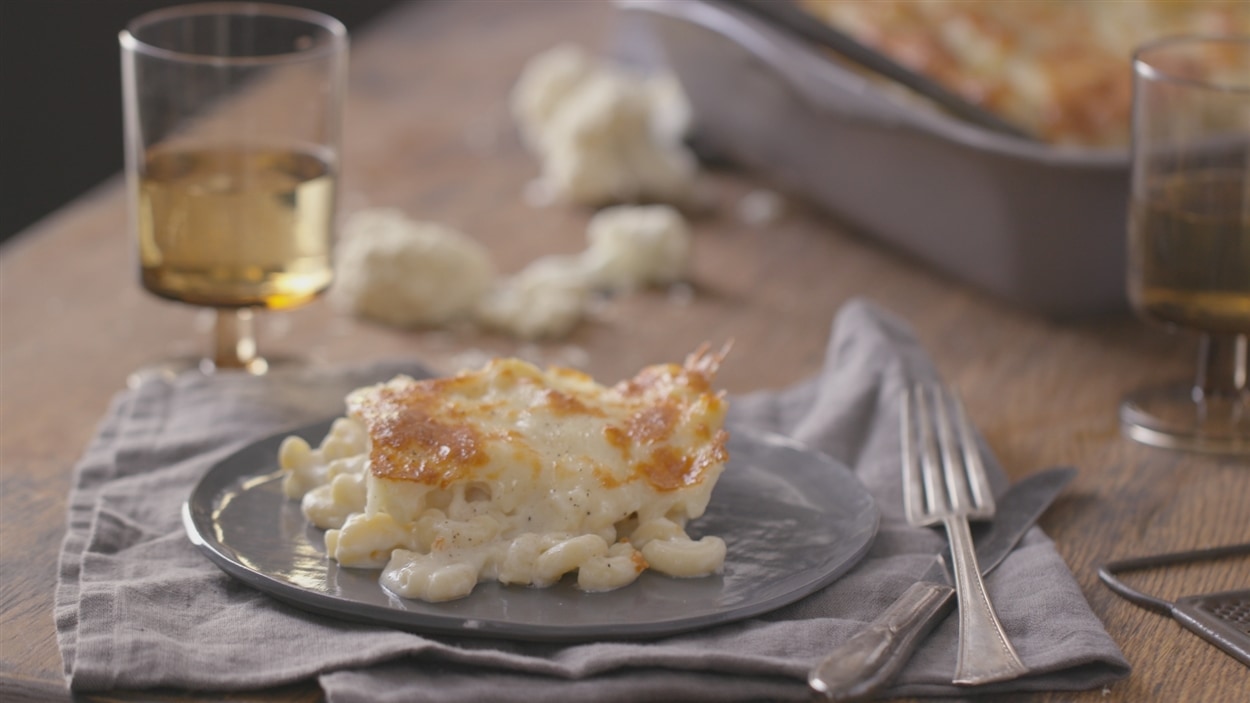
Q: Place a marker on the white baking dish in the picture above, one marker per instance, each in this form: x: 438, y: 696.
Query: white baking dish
x: 1042, y: 227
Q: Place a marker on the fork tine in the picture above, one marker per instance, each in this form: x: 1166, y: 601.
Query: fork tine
x: 936, y: 500
x: 925, y: 490
x: 913, y: 486
x: 978, y: 480
x: 960, y: 496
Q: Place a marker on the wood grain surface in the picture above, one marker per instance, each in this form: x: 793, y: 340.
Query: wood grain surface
x: 428, y: 132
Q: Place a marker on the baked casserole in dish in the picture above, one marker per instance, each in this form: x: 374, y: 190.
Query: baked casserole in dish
x: 1038, y: 222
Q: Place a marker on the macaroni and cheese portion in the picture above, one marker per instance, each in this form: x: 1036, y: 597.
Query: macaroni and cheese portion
x: 519, y: 475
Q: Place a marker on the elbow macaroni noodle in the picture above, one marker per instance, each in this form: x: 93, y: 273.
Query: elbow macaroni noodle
x: 517, y: 475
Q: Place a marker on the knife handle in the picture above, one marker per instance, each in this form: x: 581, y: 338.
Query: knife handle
x: 864, y: 664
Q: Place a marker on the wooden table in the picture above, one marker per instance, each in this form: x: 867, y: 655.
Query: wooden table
x: 428, y: 132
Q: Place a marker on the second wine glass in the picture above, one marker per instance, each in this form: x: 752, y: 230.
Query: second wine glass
x: 232, y: 128
x: 1189, y: 236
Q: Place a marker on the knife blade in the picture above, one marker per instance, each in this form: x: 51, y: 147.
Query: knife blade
x: 864, y: 664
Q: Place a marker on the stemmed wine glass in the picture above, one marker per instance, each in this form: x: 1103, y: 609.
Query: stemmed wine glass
x: 232, y: 121
x: 1189, y: 235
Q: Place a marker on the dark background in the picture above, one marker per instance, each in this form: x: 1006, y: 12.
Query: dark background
x: 60, y: 96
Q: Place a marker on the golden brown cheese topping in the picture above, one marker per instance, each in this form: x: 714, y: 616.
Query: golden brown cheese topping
x: 662, y: 426
x: 1059, y: 68
x: 414, y: 438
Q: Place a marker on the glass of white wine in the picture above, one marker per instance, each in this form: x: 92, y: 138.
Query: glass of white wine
x: 1189, y: 236
x: 232, y: 122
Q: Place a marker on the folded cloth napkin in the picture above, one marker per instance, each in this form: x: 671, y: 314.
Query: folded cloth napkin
x: 137, y: 606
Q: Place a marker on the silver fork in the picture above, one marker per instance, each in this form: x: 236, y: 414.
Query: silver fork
x: 944, y: 482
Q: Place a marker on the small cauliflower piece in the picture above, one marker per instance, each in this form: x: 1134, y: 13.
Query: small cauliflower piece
x: 600, y: 147
x: 546, y: 81
x: 629, y: 247
x: 671, y: 113
x: 407, y: 273
x: 545, y: 300
x: 603, y: 135
x: 635, y: 246
x: 761, y: 208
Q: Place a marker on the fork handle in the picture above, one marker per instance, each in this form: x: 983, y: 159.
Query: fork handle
x: 985, y: 653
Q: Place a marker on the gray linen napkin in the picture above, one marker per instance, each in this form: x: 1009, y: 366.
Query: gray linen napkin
x: 137, y: 606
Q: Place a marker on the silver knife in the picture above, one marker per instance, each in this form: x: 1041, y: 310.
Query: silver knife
x: 864, y: 664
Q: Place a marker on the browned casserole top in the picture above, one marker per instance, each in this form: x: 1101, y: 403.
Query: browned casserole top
x: 1059, y: 68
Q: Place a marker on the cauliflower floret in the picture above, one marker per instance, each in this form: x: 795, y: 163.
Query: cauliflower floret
x: 408, y: 273
x: 635, y: 246
x: 603, y: 136
x: 629, y: 247
x: 544, y: 84
x: 671, y: 114
x: 761, y: 208
x: 545, y: 300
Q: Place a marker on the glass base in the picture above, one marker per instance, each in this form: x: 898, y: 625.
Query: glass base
x: 234, y: 350
x: 1177, y: 417
x: 170, y: 369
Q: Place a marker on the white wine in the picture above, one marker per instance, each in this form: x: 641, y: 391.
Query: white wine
x: 1189, y: 251
x: 235, y: 226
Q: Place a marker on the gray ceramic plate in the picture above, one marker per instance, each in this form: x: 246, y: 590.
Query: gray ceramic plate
x: 794, y: 520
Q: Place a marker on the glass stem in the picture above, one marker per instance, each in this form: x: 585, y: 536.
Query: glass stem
x: 1223, y: 368
x: 235, y: 343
